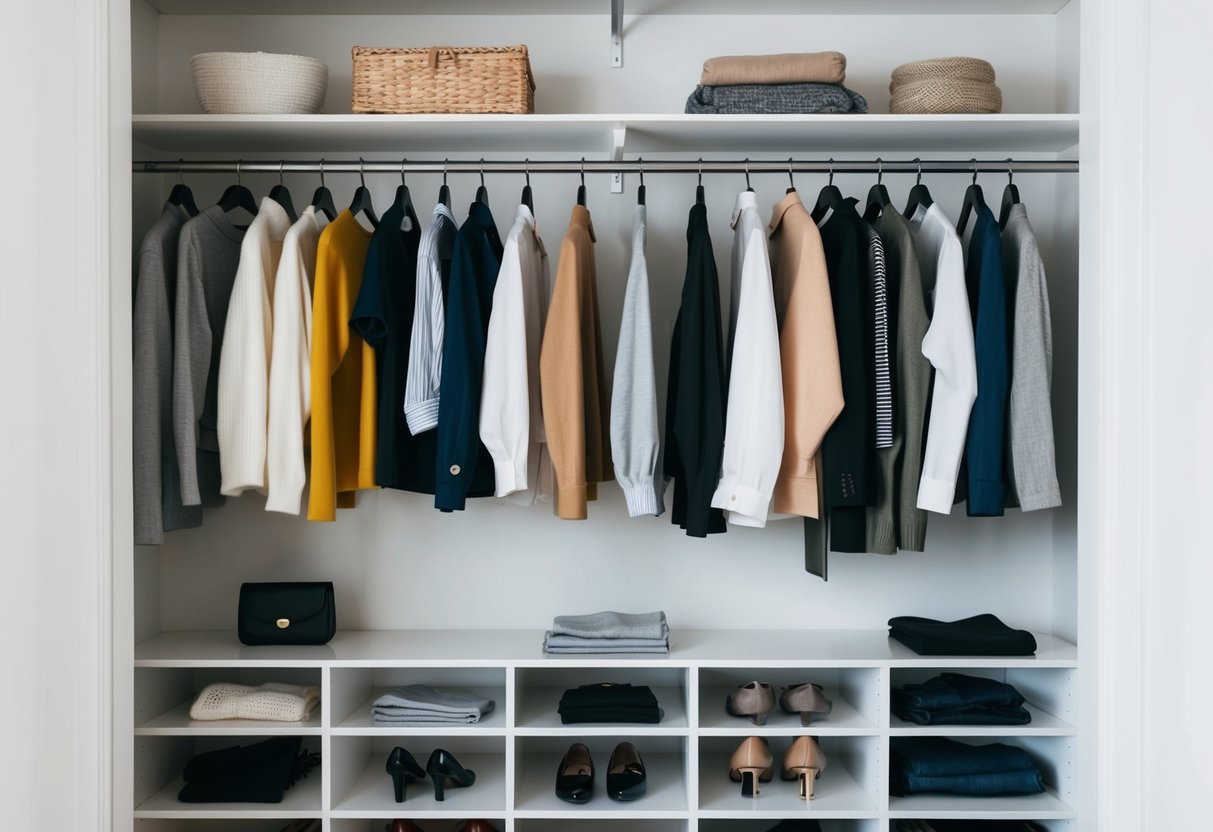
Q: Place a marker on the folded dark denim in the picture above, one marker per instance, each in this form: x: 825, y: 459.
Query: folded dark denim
x: 942, y: 757
x: 967, y: 825
x: 956, y: 690
x: 967, y: 715
x: 981, y: 635
x: 978, y: 785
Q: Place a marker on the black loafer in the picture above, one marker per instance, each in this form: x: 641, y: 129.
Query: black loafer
x: 575, y: 777
x: 626, y: 778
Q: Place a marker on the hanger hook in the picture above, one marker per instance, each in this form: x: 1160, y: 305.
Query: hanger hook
x: 526, y: 169
x: 879, y: 170
x: 700, y: 170
x: 974, y: 161
x: 1010, y: 171
x: 791, y: 181
x: 831, y: 179
x: 583, y: 171
x: 239, y: 182
x: 403, y: 162
x: 747, y: 173
x: 482, y: 171
x: 281, y: 167
x: 918, y: 179
x: 361, y: 175
x: 444, y: 163
x: 640, y: 159
x: 322, y: 173
x: 180, y: 174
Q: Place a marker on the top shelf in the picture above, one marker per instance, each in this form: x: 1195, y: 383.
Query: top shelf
x: 603, y: 7
x: 582, y: 133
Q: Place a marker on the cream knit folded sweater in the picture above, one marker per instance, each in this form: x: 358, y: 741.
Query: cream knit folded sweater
x: 270, y: 701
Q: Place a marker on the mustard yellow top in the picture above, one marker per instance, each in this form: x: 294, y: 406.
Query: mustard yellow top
x: 343, y: 374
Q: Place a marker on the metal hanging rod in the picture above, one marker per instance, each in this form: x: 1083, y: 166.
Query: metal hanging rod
x: 649, y: 166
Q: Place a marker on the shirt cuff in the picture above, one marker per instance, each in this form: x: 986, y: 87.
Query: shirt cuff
x: 936, y: 495
x: 749, y: 502
x: 796, y: 495
x: 422, y: 416
x: 506, y: 477
x: 642, y: 499
x: 1050, y: 498
x: 571, y: 502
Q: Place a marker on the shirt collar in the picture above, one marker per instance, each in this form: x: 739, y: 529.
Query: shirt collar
x: 440, y: 210
x: 581, y: 217
x: 781, y: 208
x: 745, y: 199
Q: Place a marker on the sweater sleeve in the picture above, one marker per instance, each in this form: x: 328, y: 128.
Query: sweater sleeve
x: 191, y: 365
x: 948, y: 345
x: 562, y: 387
x: 986, y: 443
x: 330, y: 339
x: 634, y: 440
x: 290, y: 382
x: 1033, y: 454
x: 505, y: 405
x: 753, y: 439
x: 422, y: 386
x: 151, y: 383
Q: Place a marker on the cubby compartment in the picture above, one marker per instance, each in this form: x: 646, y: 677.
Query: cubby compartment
x: 163, y: 697
x: 847, y: 788
x: 263, y: 825
x: 570, y: 825
x: 537, y: 759
x: 1048, y: 691
x: 160, y: 761
x: 384, y: 824
x: 362, y: 788
x: 1054, y: 755
x: 755, y: 825
x: 354, y: 690
x: 1049, y: 825
x: 857, y: 693
x: 538, y: 691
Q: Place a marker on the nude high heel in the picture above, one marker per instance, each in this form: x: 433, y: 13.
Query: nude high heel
x: 751, y: 764
x: 804, y: 762
x: 806, y: 700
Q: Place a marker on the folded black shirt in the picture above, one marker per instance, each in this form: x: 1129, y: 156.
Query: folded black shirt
x: 609, y: 702
x: 981, y: 635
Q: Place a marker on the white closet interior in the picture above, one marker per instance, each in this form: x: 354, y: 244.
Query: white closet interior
x: 502, y: 571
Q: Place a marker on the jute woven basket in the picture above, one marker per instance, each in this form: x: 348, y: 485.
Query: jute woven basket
x: 443, y: 79
x: 952, y: 69
x: 940, y: 95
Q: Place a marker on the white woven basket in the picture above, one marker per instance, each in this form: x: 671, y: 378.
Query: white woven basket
x: 259, y: 82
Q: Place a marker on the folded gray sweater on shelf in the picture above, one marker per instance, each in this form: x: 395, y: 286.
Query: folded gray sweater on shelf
x: 774, y: 99
x: 606, y: 650
x: 552, y: 639
x: 612, y: 625
x: 425, y: 705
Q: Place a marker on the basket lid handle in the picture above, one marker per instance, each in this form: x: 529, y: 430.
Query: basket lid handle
x: 435, y: 51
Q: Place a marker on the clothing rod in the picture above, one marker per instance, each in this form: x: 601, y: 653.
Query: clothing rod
x: 521, y: 166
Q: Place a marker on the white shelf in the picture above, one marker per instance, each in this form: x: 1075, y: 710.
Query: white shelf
x: 598, y: 7
x: 371, y: 795
x: 177, y: 722
x: 1044, y: 806
x: 666, y: 795
x: 593, y: 133
x: 303, y: 800
x: 524, y: 648
x: 362, y: 723
x: 714, y: 720
x: 836, y: 794
x: 538, y: 716
x: 1042, y: 724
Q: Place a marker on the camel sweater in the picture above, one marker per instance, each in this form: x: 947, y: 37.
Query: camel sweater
x: 572, y: 381
x: 343, y: 374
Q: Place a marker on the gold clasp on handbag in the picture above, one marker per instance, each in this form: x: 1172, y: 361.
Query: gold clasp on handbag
x: 283, y: 623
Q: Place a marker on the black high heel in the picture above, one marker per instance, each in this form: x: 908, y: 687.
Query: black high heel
x: 446, y: 771
x: 404, y: 769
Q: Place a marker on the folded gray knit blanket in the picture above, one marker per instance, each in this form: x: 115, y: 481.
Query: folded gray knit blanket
x: 600, y: 625
x: 606, y: 650
x: 752, y: 99
x: 424, y: 705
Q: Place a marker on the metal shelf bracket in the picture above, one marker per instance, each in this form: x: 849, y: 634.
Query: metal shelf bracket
x: 616, y: 33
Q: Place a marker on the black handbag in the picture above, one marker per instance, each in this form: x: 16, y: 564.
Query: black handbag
x: 287, y: 613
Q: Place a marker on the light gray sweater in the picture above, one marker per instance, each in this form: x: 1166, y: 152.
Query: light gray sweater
x: 158, y: 506
x: 634, y: 441
x: 1031, y: 460
x: 208, y: 254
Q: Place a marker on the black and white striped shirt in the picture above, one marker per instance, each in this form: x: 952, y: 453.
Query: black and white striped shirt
x: 880, y: 330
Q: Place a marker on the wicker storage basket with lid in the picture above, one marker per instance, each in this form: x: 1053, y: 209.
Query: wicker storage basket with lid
x: 945, y: 85
x: 443, y: 79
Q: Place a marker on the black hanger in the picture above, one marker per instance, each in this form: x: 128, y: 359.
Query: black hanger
x: 791, y: 181
x: 282, y: 196
x: 1010, y: 196
x: 361, y: 203
x: 640, y: 190
x: 444, y: 193
x: 238, y: 196
x: 919, y: 194
x: 830, y: 198
x: 747, y: 176
x: 581, y: 187
x: 181, y: 195
x: 878, y: 195
x: 699, y: 187
x: 482, y: 193
x: 322, y: 200
x: 527, y: 198
x: 403, y: 198
x: 974, y: 198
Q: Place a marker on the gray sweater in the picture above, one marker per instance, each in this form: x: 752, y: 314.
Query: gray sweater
x: 208, y: 254
x: 896, y: 522
x: 158, y: 506
x: 1031, y: 462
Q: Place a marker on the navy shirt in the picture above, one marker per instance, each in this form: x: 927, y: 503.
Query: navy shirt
x: 463, y: 463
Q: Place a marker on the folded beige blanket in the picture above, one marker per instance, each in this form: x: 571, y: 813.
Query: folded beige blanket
x: 788, y: 68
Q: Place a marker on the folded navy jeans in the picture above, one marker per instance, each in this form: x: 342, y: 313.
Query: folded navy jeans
x: 956, y: 690
x: 977, y: 785
x: 942, y: 757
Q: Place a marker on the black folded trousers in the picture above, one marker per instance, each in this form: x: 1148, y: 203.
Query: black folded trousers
x: 981, y: 635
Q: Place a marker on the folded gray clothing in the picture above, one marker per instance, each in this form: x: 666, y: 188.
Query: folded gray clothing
x: 415, y: 718
x: 752, y: 99
x: 605, y: 650
x: 436, y: 701
x: 551, y: 639
x: 600, y: 625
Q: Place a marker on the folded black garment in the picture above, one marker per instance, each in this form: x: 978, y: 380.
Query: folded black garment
x: 968, y: 826
x: 258, y: 773
x: 981, y: 635
x: 609, y: 702
x: 772, y: 99
x: 957, y: 699
x: 798, y: 825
